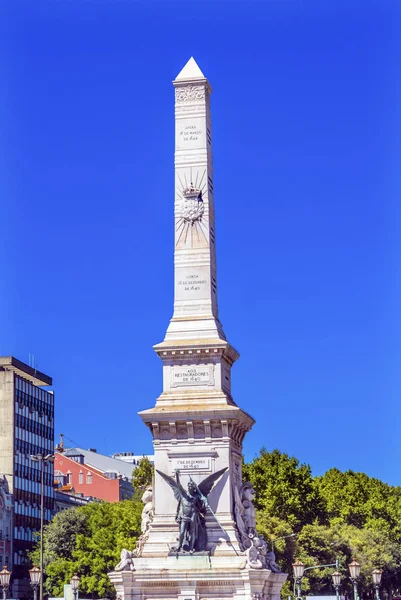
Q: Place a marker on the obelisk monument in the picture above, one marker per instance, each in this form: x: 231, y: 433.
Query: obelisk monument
x: 195, y: 285
x: 199, y: 538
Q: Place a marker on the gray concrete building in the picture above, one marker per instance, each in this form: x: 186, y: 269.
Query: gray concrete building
x: 26, y: 429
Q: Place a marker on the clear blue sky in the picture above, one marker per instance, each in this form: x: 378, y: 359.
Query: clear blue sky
x: 306, y: 139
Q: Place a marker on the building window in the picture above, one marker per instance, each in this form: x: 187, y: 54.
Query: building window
x: 69, y: 477
x: 89, y: 477
x: 81, y: 477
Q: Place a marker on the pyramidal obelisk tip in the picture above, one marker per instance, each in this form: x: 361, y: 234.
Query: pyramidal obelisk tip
x: 190, y: 71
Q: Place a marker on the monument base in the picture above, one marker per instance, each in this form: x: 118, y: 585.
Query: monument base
x: 196, y: 577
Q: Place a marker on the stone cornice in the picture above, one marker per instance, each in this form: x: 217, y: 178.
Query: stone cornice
x: 196, y: 348
x: 198, y: 412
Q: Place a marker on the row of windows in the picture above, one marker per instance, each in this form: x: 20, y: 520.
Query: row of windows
x: 24, y: 485
x: 32, y: 497
x: 30, y: 412
x: 33, y: 438
x: 26, y: 447
x: 80, y: 478
x: 26, y: 460
x: 28, y: 510
x: 29, y: 522
x: 21, y: 559
x: 34, y: 426
x: 23, y: 385
x: 6, y: 561
x: 32, y: 474
x: 25, y: 528
x: 41, y: 406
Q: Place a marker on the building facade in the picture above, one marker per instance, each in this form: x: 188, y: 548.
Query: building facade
x: 26, y: 429
x: 6, y: 520
x: 66, y: 499
x: 104, y: 481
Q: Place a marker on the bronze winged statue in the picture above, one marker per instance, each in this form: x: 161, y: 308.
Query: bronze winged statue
x: 191, y: 510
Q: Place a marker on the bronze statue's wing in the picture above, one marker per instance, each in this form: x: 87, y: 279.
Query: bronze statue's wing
x: 177, y: 488
x: 206, y: 485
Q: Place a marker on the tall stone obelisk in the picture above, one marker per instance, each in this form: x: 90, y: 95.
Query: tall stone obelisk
x: 196, y: 426
x: 195, y: 285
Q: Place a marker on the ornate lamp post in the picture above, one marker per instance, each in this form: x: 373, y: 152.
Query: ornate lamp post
x: 299, y: 569
x: 355, y: 570
x: 43, y: 460
x: 35, y: 575
x: 75, y: 585
x: 5, y: 581
x: 377, y: 577
x: 336, y: 577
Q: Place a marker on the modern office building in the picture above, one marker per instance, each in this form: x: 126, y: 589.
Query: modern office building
x: 26, y: 429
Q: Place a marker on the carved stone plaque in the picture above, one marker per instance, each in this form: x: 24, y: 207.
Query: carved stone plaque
x: 191, y: 464
x: 184, y: 376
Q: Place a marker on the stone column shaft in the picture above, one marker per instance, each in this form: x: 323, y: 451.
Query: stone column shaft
x: 195, y: 285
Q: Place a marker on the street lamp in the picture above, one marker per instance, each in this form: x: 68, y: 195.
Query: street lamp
x: 355, y: 570
x: 43, y: 460
x: 75, y: 585
x: 377, y: 577
x: 336, y: 577
x: 5, y: 581
x: 299, y: 569
x: 35, y: 575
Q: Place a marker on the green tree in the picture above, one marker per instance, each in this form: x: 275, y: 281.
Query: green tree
x: 284, y: 489
x: 88, y: 540
x: 59, y: 542
x: 111, y: 527
x: 357, y: 499
x: 316, y: 544
x: 336, y: 516
x: 143, y: 474
x: 325, y: 544
x: 374, y: 549
x: 60, y: 536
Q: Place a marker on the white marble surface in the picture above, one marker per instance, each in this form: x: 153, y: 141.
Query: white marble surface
x: 195, y: 418
x: 196, y: 425
x: 195, y: 290
x: 196, y: 579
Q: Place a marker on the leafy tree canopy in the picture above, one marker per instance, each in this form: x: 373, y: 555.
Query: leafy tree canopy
x: 284, y: 488
x: 88, y: 540
x: 143, y: 474
x: 337, y: 516
x: 359, y: 500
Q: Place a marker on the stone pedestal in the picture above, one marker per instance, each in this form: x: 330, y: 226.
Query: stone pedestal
x: 196, y: 578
